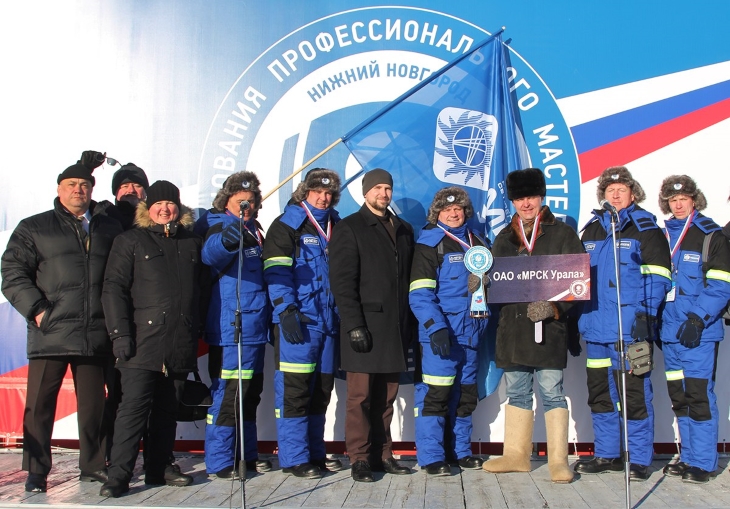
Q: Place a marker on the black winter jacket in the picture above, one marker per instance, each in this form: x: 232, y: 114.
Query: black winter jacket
x: 46, y: 267
x: 152, y: 293
x: 515, y: 332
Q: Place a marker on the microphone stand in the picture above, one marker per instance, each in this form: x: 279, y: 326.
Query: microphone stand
x: 622, y: 361
x: 237, y: 339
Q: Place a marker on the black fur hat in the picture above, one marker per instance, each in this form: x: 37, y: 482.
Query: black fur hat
x: 680, y: 184
x: 235, y: 183
x: 446, y: 197
x: 619, y: 175
x: 524, y: 183
x: 318, y: 178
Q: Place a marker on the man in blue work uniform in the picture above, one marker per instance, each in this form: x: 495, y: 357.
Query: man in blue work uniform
x: 692, y: 325
x: 231, y: 223
x: 306, y: 323
x: 447, y: 395
x: 645, y: 279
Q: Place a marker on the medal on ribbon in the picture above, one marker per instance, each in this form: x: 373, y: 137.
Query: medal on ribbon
x: 478, y: 260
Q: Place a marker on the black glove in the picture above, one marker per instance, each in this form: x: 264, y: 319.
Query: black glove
x: 361, y: 340
x: 231, y: 236
x: 441, y: 343
x: 540, y: 310
x: 92, y: 159
x: 643, y: 327
x: 690, y: 331
x: 291, y: 326
x: 123, y: 348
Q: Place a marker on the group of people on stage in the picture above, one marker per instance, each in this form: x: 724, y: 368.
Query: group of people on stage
x: 122, y: 293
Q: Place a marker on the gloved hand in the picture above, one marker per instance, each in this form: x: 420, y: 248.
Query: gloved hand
x: 361, y: 340
x: 690, y: 331
x: 441, y: 343
x: 540, y: 310
x: 123, y: 348
x: 230, y: 236
x: 643, y: 327
x: 291, y: 326
x: 92, y: 159
x: 474, y: 282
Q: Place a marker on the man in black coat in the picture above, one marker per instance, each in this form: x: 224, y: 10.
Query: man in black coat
x: 370, y: 264
x: 152, y: 305
x: 52, y: 273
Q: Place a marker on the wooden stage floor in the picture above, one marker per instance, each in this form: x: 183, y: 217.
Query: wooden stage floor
x: 469, y: 489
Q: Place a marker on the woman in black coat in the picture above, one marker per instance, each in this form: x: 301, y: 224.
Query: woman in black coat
x: 152, y: 305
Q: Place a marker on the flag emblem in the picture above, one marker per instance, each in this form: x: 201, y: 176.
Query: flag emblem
x: 464, y: 146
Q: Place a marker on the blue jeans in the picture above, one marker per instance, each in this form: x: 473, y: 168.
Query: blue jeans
x: 519, y: 382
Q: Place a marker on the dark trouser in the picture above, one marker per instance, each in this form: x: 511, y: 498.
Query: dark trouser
x: 113, y: 397
x: 146, y: 395
x: 369, y: 411
x: 45, y: 376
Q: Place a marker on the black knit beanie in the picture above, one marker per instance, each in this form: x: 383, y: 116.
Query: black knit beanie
x: 162, y: 190
x: 375, y: 177
x: 130, y: 172
x: 77, y: 171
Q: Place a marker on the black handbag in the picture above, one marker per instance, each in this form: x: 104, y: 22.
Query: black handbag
x: 195, y: 400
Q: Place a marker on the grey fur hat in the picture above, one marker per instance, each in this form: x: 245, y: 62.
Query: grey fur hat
x: 235, y: 183
x: 524, y: 183
x: 619, y: 175
x: 318, y: 178
x: 446, y: 197
x: 680, y: 184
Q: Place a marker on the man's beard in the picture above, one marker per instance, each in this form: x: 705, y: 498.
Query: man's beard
x: 378, y: 205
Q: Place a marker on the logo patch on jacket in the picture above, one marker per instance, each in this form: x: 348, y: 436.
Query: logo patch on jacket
x: 310, y: 240
x: 251, y: 252
x: 590, y: 246
x: 456, y: 258
x: 691, y: 257
x: 624, y: 244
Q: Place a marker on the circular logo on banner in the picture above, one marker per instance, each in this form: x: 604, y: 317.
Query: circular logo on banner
x: 478, y: 260
x: 320, y: 81
x: 578, y: 288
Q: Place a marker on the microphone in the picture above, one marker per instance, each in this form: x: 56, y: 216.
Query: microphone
x: 606, y: 205
x: 245, y: 205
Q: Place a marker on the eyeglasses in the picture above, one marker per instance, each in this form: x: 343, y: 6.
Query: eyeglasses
x: 101, y: 158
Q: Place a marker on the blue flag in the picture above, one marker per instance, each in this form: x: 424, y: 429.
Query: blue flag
x: 459, y: 126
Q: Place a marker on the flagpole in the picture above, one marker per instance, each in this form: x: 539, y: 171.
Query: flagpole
x: 338, y: 140
x: 419, y: 86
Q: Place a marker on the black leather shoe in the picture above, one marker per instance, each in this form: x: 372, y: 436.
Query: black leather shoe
x: 438, y: 469
x: 391, y: 466
x: 98, y: 476
x: 170, y: 477
x: 675, y: 469
x: 638, y: 472
x: 226, y: 473
x: 697, y: 475
x: 259, y: 466
x: 361, y: 471
x: 36, y: 483
x: 304, y: 470
x: 598, y: 465
x: 114, y: 488
x: 471, y: 463
x: 328, y: 464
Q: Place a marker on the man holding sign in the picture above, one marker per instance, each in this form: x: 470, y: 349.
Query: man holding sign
x: 525, y: 349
